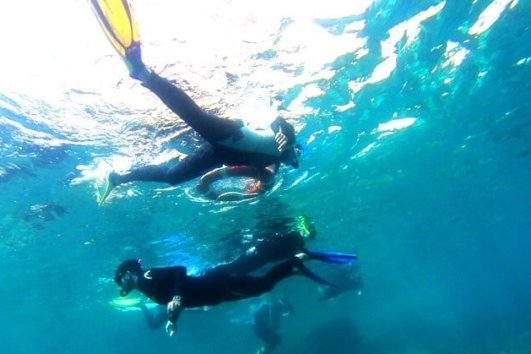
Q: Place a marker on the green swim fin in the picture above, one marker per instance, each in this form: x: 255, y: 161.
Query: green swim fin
x: 118, y: 22
x: 110, y: 183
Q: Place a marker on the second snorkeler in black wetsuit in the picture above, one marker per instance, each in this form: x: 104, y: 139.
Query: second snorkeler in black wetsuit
x: 171, y: 286
x: 265, y: 249
x: 226, y: 141
x: 279, y: 243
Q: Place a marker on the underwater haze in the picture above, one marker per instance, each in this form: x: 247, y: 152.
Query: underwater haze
x: 415, y: 124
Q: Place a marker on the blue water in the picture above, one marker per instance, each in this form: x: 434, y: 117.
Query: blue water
x: 437, y: 208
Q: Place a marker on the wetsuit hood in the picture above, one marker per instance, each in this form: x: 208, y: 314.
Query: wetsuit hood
x: 131, y: 265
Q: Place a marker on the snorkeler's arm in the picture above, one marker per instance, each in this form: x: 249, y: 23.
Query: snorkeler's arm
x: 264, y: 181
x: 174, y: 310
x: 175, y: 307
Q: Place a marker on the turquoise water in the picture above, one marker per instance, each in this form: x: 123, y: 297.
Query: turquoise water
x: 420, y: 165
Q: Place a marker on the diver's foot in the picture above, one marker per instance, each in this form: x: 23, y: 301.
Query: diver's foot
x: 299, y: 268
x: 135, y: 65
x: 302, y: 256
x: 110, y: 183
x: 297, y: 264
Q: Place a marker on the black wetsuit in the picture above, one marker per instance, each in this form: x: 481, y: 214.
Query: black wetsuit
x: 227, y: 141
x: 162, y: 284
x: 266, y: 249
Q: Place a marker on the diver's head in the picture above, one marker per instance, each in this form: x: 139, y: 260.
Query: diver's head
x: 127, y: 275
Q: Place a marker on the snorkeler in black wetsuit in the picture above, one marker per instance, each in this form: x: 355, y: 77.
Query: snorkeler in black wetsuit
x: 172, y: 286
x: 226, y: 141
x: 265, y: 249
x: 279, y: 241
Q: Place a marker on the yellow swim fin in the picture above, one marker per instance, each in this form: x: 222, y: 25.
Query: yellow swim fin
x: 117, y: 20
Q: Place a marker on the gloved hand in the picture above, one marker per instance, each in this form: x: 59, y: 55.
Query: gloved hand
x: 282, y: 141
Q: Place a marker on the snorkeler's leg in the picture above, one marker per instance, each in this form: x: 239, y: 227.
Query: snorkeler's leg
x: 243, y: 264
x: 150, y: 173
x: 203, y: 159
x: 209, y: 126
x: 120, y: 27
x: 245, y: 286
x: 192, y: 166
x: 136, y: 67
x: 248, y: 286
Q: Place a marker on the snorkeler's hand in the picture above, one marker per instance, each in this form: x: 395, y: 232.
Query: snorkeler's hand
x: 174, y: 306
x: 254, y: 187
x: 170, y: 328
x: 174, y: 309
x: 282, y: 141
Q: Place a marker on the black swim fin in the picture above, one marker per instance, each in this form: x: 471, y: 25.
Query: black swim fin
x: 332, y: 257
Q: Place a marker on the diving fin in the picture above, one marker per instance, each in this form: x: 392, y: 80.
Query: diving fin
x: 110, y: 183
x: 332, y: 257
x: 118, y: 22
